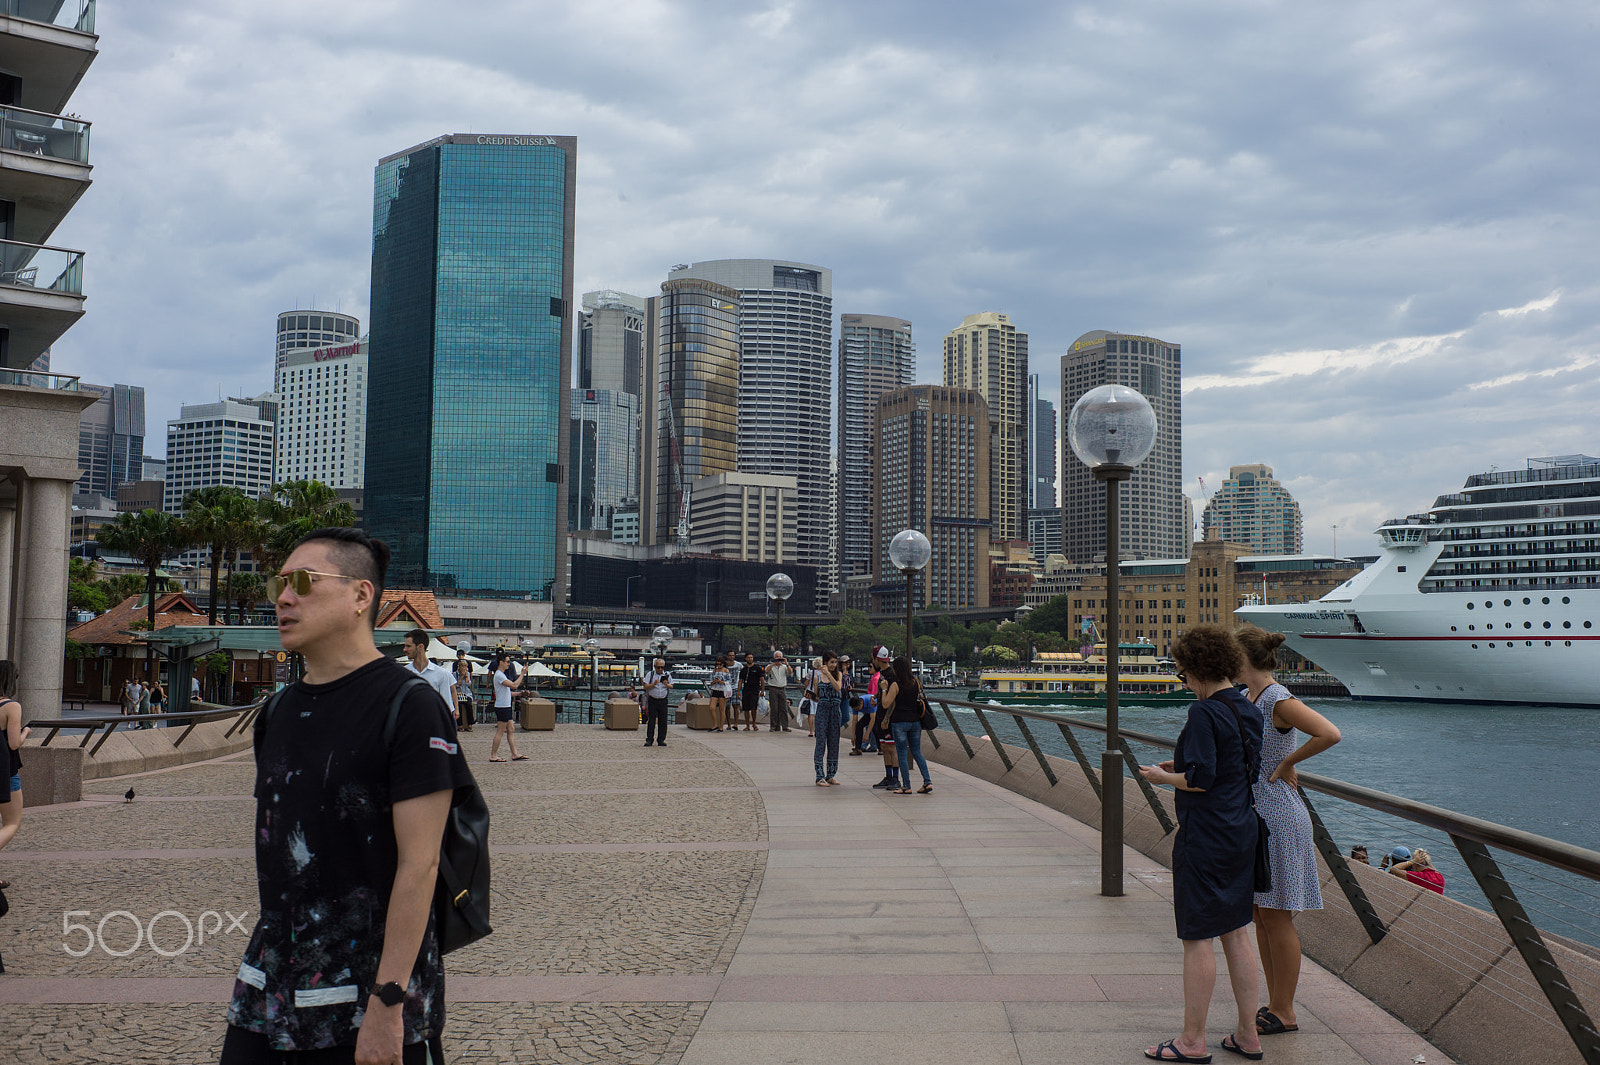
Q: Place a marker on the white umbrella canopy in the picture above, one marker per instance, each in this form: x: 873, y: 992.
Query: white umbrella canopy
x: 539, y: 669
x: 439, y: 651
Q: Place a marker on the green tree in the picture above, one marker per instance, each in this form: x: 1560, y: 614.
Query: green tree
x: 151, y: 537
x: 288, y: 513
x: 1055, y: 616
x: 84, y: 588
x: 207, y: 513
x: 245, y: 590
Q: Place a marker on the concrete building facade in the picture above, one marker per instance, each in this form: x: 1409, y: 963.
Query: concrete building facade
x: 750, y: 516
x: 986, y: 353
x: 322, y: 431
x: 228, y: 442
x: 300, y: 329
x: 1252, y: 508
x: 876, y: 355
x: 932, y: 474
x: 785, y: 374
x: 1152, y: 501
x: 605, y: 460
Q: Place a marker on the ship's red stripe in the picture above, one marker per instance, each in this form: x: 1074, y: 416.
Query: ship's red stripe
x: 1433, y: 639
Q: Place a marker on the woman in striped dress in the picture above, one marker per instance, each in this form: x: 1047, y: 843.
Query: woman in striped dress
x: 1290, y: 850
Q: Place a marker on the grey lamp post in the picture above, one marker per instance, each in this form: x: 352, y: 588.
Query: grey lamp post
x: 779, y: 588
x: 1111, y: 429
x: 592, y: 646
x: 909, y: 552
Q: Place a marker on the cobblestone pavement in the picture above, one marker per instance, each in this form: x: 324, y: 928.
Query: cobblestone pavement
x: 558, y: 912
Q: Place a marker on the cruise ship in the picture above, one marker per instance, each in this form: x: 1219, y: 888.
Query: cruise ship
x: 1492, y: 596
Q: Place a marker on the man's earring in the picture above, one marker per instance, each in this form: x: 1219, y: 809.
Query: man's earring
x: 358, y: 611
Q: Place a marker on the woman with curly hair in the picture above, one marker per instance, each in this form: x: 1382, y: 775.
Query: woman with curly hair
x: 1290, y: 850
x: 1216, y: 759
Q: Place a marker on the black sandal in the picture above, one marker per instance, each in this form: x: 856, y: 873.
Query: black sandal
x: 1267, y: 1023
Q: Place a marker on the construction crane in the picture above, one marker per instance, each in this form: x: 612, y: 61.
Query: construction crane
x: 679, y: 488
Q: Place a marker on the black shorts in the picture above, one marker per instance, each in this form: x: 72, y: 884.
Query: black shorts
x: 241, y: 1047
x: 502, y: 713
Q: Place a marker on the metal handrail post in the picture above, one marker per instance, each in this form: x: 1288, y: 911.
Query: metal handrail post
x: 1168, y: 825
x: 956, y: 728
x: 999, y: 748
x: 1033, y: 744
x: 1354, y: 893
x: 1083, y: 759
x: 1525, y: 937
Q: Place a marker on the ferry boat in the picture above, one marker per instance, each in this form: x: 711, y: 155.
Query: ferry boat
x: 1067, y: 678
x: 1492, y: 596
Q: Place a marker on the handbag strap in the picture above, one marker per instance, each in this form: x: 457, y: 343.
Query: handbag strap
x: 1244, y: 753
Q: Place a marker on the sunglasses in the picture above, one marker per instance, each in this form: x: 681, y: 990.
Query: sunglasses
x: 1182, y: 679
x: 300, y: 580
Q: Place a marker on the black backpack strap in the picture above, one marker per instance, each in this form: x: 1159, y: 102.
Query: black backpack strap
x: 258, y: 729
x: 394, y: 708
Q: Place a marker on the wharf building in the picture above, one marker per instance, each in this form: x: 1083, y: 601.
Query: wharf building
x: 691, y: 419
x: 1252, y: 508
x: 45, y: 51
x: 932, y: 475
x: 876, y: 355
x: 785, y: 376
x: 312, y: 329
x: 605, y: 461
x: 322, y: 424
x: 1163, y: 598
x: 472, y: 337
x: 1152, y: 514
x: 987, y: 353
x: 230, y: 442
x: 110, y: 439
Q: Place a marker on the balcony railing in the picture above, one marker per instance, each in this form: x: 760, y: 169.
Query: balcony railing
x: 41, y: 133
x: 36, y: 266
x: 68, y: 14
x: 56, y: 382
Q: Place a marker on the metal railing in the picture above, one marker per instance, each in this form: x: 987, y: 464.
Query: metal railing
x: 37, y: 266
x: 68, y: 14
x: 56, y: 382
x: 1540, y: 862
x: 44, y: 134
x: 111, y: 722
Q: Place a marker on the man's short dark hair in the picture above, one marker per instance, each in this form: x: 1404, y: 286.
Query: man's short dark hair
x: 356, y: 555
x: 418, y: 637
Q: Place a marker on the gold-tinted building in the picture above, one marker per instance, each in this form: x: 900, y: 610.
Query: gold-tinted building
x: 933, y: 475
x: 987, y: 354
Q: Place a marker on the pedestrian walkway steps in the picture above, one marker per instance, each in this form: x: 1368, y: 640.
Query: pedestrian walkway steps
x: 701, y: 904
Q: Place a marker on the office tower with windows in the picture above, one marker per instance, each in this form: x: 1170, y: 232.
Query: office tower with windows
x: 693, y: 415
x: 785, y: 331
x: 110, y: 438
x: 312, y: 329
x: 322, y: 429
x: 987, y: 353
x: 876, y: 355
x: 1152, y: 514
x: 1252, y: 508
x: 605, y: 458
x: 471, y: 365
x: 749, y: 516
x: 611, y: 342
x: 1042, y: 450
x: 229, y: 442
x: 932, y: 474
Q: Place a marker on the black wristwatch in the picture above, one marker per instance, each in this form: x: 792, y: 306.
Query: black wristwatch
x: 390, y: 994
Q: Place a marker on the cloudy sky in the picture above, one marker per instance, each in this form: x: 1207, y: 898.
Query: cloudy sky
x: 1372, y: 226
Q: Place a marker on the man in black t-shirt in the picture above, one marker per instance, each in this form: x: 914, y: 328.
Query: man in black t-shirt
x: 343, y: 957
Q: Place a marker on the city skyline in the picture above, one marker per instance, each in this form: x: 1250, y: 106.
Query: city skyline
x: 1401, y: 242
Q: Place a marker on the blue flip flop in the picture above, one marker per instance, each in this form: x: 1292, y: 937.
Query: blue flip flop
x: 1167, y: 1052
x: 1232, y: 1046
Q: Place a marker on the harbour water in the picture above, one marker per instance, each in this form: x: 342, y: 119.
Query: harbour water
x: 1527, y: 767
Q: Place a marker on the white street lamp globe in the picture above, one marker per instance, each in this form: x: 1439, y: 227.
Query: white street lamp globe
x: 909, y: 551
x: 529, y: 645
x: 591, y: 645
x: 1111, y: 425
x: 780, y: 587
x: 464, y: 646
x: 662, y: 634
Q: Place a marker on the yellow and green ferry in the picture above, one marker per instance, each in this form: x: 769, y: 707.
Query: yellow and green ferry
x: 1067, y: 678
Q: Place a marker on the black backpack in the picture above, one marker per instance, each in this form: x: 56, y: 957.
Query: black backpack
x: 461, y: 893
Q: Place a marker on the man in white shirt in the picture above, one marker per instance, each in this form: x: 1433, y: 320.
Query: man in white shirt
x: 778, y: 674
x: 440, y: 678
x: 657, y: 685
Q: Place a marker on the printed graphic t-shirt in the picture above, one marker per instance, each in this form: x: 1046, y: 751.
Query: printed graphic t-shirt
x: 326, y: 856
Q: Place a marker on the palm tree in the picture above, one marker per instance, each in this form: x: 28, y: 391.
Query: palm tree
x: 238, y: 518
x: 289, y: 512
x: 207, y: 522
x: 152, y: 537
x: 245, y: 589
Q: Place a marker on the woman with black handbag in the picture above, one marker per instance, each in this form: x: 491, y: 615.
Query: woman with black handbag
x: 1214, y: 764
x: 905, y: 723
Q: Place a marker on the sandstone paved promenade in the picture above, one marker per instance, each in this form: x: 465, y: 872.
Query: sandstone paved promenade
x: 700, y: 904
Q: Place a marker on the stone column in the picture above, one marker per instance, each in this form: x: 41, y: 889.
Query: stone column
x: 41, y: 616
x: 8, y: 570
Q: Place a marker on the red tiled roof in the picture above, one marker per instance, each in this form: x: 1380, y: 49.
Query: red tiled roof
x: 408, y: 607
x: 172, y: 608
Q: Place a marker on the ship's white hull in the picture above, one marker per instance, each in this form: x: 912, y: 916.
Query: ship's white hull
x: 1384, y: 639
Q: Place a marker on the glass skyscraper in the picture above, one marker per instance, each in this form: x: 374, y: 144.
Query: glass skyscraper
x: 470, y: 351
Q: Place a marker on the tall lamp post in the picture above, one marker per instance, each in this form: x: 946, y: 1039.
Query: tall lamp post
x: 779, y: 588
x: 1111, y: 429
x: 592, y: 645
x: 909, y: 552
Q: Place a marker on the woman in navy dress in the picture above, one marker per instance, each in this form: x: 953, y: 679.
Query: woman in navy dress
x: 1213, y: 882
